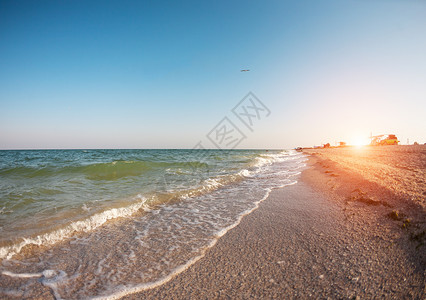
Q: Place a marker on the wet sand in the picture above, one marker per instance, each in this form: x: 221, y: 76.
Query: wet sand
x: 337, y: 233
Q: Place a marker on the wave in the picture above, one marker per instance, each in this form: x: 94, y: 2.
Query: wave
x: 86, y: 225
x: 100, y: 171
x: 141, y: 202
x: 146, y: 203
x: 266, y: 159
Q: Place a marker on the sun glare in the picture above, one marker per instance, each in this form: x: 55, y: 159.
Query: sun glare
x: 358, y: 141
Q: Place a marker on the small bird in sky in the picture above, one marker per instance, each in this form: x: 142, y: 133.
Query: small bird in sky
x: 245, y: 70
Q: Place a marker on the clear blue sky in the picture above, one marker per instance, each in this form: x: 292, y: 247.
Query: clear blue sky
x: 162, y: 74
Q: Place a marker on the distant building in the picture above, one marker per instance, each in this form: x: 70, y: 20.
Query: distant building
x: 384, y: 139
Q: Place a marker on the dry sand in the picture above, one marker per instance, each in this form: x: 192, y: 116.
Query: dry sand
x: 401, y: 169
x: 341, y: 232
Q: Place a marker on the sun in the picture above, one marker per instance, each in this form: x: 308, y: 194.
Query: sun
x: 359, y: 141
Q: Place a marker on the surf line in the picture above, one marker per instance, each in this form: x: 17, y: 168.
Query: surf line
x: 150, y: 285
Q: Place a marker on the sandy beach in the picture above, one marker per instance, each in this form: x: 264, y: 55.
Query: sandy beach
x: 340, y: 232
x: 212, y: 150
x: 401, y: 169
x: 352, y: 227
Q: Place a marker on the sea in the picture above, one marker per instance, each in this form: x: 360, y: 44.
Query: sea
x: 101, y: 224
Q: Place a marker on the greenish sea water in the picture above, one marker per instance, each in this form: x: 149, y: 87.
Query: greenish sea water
x: 127, y: 218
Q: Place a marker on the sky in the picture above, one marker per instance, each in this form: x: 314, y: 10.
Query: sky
x: 167, y: 74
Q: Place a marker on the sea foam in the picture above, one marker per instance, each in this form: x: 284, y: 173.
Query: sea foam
x: 86, y: 225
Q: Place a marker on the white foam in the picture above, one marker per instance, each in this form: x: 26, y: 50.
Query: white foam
x: 245, y: 173
x: 22, y: 275
x: 267, y: 159
x: 85, y: 208
x: 86, y: 225
x: 150, y: 285
x: 211, y: 184
x: 53, y: 280
x: 4, y: 211
x: 45, y: 274
x: 49, y: 273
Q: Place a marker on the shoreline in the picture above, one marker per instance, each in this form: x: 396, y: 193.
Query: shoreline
x: 127, y: 255
x: 331, y: 234
x: 307, y: 240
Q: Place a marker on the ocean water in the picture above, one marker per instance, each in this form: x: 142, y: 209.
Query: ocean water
x: 106, y: 223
